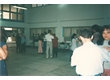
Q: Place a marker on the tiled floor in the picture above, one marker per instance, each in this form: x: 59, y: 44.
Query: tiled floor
x: 33, y: 64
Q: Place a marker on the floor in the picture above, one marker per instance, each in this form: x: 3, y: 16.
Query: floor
x: 31, y: 63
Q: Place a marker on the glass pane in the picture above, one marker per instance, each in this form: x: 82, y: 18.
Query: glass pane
x: 6, y: 7
x: 20, y: 17
x: 13, y: 9
x: 20, y: 11
x: 39, y: 4
x: 66, y: 32
x: 13, y: 16
x: 33, y: 5
x: 0, y: 6
x: 5, y: 15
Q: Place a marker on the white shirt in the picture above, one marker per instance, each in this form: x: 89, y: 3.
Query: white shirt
x: 88, y: 59
x: 49, y: 37
x: 106, y: 64
x: 73, y: 44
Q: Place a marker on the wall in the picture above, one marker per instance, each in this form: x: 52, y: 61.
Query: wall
x: 63, y: 15
x: 68, y: 15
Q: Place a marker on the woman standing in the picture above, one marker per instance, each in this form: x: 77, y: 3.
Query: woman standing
x: 104, y: 42
x: 74, y: 42
x: 3, y: 54
x: 40, y: 41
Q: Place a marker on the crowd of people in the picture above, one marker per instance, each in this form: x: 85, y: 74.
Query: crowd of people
x: 48, y: 43
x: 90, y: 52
x: 92, y: 58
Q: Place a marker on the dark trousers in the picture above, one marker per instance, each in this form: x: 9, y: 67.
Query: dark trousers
x: 44, y: 47
x: 23, y: 47
x: 55, y: 51
x: 71, y: 53
x: 3, y: 71
x: 18, y: 47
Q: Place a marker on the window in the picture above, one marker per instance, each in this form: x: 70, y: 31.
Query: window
x: 20, y: 17
x: 68, y: 31
x: 13, y: 16
x: 11, y: 13
x: 38, y: 5
x: 6, y: 15
x: 13, y: 9
x: 0, y: 7
x: 33, y: 5
x: 6, y: 7
x: 39, y: 31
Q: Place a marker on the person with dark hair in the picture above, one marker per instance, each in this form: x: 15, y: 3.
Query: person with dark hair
x: 3, y: 54
x: 18, y: 43
x: 23, y: 43
x: 44, y: 43
x: 96, y: 33
x: 104, y: 42
x: 55, y: 45
x: 74, y: 42
x: 88, y: 58
x: 49, y: 47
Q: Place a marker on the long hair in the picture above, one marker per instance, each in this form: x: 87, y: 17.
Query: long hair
x: 73, y: 36
x: 101, y: 39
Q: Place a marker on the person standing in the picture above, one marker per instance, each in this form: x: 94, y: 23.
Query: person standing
x: 104, y: 42
x: 18, y: 43
x: 88, y: 58
x: 96, y: 33
x: 55, y: 45
x: 44, y: 43
x: 74, y: 42
x: 49, y: 46
x: 3, y: 54
x: 23, y: 43
x: 40, y: 41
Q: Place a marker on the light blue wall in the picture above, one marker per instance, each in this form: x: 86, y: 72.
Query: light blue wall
x: 68, y: 15
x: 63, y: 15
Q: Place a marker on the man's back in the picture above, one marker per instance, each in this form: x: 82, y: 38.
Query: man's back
x: 88, y: 59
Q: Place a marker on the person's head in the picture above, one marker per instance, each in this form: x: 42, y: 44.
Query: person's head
x: 49, y: 31
x: 85, y: 35
x: 105, y: 31
x: 73, y: 36
x: 95, y: 28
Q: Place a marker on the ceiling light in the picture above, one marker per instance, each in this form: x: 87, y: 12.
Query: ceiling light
x: 20, y: 7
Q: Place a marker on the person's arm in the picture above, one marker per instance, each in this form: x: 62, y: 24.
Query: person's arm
x: 74, y: 58
x: 107, y: 48
x: 3, y: 52
x: 105, y: 54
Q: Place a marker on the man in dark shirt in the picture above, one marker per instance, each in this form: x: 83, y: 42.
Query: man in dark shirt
x: 55, y: 45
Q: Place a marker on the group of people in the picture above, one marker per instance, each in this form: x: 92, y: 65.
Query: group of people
x: 48, y: 43
x: 92, y: 58
x: 20, y: 43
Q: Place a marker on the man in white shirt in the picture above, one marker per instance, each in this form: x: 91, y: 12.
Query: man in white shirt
x: 49, y: 38
x: 88, y: 58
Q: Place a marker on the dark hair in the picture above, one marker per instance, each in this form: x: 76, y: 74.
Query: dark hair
x: 96, y: 28
x: 85, y: 33
x: 49, y: 31
x: 73, y: 36
x: 101, y: 39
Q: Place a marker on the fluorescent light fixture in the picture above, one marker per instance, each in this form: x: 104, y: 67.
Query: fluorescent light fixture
x: 20, y: 7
